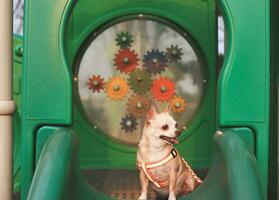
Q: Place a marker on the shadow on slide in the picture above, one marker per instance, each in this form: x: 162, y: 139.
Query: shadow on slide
x: 233, y: 174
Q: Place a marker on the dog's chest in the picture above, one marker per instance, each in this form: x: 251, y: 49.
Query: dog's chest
x: 161, y: 173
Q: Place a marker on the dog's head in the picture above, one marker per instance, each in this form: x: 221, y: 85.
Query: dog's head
x: 162, y: 126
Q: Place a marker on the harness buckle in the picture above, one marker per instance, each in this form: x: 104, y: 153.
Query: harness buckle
x: 173, y: 153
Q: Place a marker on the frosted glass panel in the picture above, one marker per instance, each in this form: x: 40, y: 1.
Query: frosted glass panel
x: 130, y: 66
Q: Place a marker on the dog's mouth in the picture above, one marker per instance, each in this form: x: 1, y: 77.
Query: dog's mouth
x: 171, y: 140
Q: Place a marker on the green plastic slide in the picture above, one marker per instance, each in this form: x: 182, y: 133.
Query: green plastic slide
x: 233, y: 174
x: 58, y: 175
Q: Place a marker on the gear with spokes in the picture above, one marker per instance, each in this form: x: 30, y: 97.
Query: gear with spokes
x: 163, y: 89
x: 129, y: 123
x: 177, y: 104
x: 139, y: 105
x: 140, y: 81
x: 174, y: 53
x: 116, y: 88
x: 155, y: 61
x: 126, y: 60
x: 96, y: 83
x: 124, y: 40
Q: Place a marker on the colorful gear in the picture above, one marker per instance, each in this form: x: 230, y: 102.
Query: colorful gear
x: 155, y: 61
x: 139, y: 105
x: 129, y: 123
x: 126, y: 60
x: 174, y: 53
x: 163, y: 89
x: 140, y: 81
x: 96, y: 83
x: 116, y: 88
x: 124, y: 40
x: 177, y: 104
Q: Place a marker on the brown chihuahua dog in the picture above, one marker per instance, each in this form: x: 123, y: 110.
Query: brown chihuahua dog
x: 158, y: 161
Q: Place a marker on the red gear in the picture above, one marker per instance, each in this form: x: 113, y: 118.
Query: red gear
x: 163, y: 89
x: 96, y: 83
x: 126, y: 60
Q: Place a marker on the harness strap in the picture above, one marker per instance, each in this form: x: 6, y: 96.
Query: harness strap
x: 151, y: 165
x: 149, y: 175
x: 147, y: 166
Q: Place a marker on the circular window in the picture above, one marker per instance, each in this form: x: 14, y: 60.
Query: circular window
x: 135, y: 63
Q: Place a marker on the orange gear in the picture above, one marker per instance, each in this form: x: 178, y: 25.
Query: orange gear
x: 116, y: 88
x: 177, y: 104
x: 96, y: 83
x: 126, y: 60
x: 163, y: 89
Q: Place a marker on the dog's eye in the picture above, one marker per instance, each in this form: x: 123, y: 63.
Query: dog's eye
x: 165, y: 127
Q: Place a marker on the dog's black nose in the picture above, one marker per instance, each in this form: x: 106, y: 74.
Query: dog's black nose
x: 177, y: 133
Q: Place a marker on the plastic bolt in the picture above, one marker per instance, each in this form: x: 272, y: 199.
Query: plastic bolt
x: 124, y: 39
x: 116, y: 87
x: 139, y: 79
x: 155, y: 61
x: 95, y: 83
x: 163, y: 89
x: 139, y: 105
x: 177, y: 105
x: 129, y: 123
x: 174, y: 52
x: 126, y: 60
x: 19, y: 51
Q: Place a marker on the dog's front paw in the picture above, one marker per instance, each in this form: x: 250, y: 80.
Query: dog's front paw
x: 143, y: 196
x: 172, y: 196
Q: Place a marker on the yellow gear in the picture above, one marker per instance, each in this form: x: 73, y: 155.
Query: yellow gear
x: 177, y: 104
x: 117, y: 88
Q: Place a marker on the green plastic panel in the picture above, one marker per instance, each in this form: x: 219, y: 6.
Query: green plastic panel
x: 245, y: 78
x: 55, y: 32
x: 198, y: 18
x: 17, y: 77
x: 46, y: 86
x: 243, y: 87
x: 50, y: 53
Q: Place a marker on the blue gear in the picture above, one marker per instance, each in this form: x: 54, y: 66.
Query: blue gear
x: 155, y: 61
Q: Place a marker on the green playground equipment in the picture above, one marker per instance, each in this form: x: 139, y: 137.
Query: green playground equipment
x: 68, y: 139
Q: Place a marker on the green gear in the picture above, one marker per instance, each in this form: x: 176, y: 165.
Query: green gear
x: 124, y: 40
x: 140, y: 81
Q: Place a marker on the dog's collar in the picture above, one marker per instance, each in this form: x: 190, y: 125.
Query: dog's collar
x: 151, y: 165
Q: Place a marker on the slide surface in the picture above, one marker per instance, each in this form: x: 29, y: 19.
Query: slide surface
x: 233, y: 174
x: 58, y: 175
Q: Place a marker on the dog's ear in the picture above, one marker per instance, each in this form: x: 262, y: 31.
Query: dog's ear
x: 152, y: 111
x: 167, y: 109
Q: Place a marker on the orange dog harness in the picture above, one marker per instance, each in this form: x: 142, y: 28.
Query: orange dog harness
x: 146, y: 167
